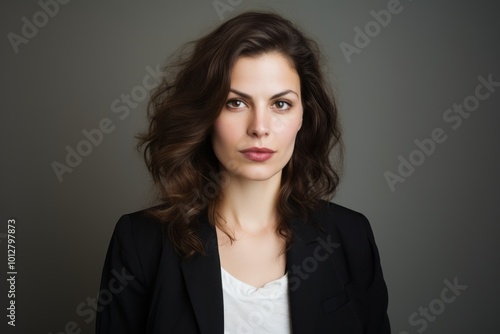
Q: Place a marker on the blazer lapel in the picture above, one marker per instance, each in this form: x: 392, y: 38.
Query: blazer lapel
x: 304, y: 266
x: 310, y: 248
x: 203, y: 281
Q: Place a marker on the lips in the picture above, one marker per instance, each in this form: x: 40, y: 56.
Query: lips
x: 258, y: 154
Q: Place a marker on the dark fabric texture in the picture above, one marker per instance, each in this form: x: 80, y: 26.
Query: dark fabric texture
x: 335, y: 279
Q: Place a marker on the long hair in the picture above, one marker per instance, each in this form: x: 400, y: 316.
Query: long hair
x: 182, y: 110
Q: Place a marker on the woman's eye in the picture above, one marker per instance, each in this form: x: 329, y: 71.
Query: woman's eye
x: 235, y: 104
x: 283, y: 105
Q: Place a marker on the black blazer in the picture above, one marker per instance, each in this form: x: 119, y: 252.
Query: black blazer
x: 335, y: 279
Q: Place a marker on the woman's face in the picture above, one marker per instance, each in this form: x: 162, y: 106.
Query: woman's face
x: 254, y: 134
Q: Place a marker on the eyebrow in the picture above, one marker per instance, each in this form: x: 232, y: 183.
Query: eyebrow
x: 272, y: 97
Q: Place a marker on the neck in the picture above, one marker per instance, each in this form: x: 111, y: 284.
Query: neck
x: 250, y: 205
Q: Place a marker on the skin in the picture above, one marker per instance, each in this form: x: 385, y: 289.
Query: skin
x: 255, y: 117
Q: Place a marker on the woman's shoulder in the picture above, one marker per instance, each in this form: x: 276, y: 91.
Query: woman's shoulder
x: 350, y: 227
x: 358, y: 253
x: 140, y: 230
x: 140, y: 222
x: 331, y: 215
x: 356, y: 237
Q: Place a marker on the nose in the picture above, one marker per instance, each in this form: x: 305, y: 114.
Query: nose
x: 259, y: 123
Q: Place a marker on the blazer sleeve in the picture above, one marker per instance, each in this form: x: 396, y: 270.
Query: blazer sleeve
x: 371, y: 295
x: 123, y: 298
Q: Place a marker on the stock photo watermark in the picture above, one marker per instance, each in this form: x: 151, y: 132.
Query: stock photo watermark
x: 310, y: 264
x: 262, y: 312
x: 89, y: 308
x: 11, y: 271
x: 363, y: 37
x: 453, y: 117
x: 429, y: 313
x: 121, y: 107
x: 297, y: 274
x: 30, y: 27
x: 223, y: 6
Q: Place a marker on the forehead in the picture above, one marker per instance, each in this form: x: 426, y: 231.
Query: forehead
x: 266, y: 71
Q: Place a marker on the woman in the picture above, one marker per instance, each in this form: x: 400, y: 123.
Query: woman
x: 239, y: 143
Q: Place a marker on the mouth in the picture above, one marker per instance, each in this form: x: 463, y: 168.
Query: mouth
x: 258, y: 154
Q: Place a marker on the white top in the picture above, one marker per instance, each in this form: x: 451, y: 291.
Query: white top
x: 248, y: 309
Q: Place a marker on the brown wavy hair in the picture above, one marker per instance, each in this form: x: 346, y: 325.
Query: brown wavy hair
x: 182, y: 110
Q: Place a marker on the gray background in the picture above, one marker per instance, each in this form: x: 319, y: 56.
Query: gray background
x: 441, y: 223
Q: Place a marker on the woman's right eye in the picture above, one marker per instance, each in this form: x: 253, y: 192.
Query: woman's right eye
x: 235, y: 104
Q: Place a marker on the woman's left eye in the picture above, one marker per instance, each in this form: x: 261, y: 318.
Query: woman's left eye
x: 235, y: 104
x: 282, y: 105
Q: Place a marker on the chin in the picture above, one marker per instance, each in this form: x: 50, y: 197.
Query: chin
x: 257, y: 174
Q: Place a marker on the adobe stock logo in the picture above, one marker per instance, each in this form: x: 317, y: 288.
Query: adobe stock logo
x: 454, y: 116
x: 89, y: 308
x: 363, y: 37
x: 436, y: 307
x: 222, y: 6
x: 121, y: 107
x: 309, y: 264
x: 40, y: 19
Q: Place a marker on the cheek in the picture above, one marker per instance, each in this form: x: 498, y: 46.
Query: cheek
x: 284, y: 125
x: 224, y: 135
x: 291, y: 130
x: 287, y: 138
